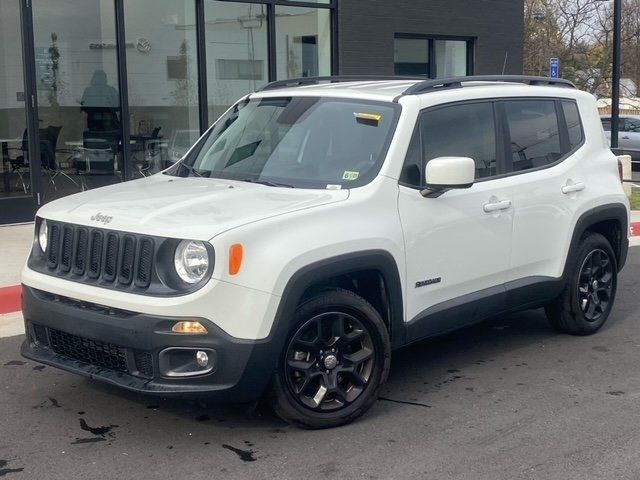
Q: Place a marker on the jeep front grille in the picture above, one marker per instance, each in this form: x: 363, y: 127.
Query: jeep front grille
x: 93, y: 255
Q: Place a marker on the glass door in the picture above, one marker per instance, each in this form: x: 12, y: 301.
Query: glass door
x: 237, y: 52
x: 17, y: 193
x: 76, y: 78
x: 162, y: 78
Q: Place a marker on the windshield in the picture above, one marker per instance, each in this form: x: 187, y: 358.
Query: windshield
x: 304, y: 142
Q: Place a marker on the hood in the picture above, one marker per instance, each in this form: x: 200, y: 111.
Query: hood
x: 190, y: 208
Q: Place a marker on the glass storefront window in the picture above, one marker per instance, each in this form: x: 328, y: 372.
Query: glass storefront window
x: 237, y: 52
x: 303, y: 42
x: 162, y: 75
x: 433, y: 58
x: 451, y: 58
x: 14, y: 156
x: 78, y: 104
x: 83, y: 138
x: 411, y: 56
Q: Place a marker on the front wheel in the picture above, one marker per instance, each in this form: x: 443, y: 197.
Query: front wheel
x: 334, y: 364
x: 592, y: 280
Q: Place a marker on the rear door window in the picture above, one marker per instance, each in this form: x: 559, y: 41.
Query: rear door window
x: 632, y: 125
x: 534, y: 133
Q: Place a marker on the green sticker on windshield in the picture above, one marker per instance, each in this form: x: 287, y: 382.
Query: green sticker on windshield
x: 351, y: 176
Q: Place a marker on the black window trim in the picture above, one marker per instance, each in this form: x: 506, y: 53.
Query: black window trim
x: 503, y: 136
x: 416, y: 130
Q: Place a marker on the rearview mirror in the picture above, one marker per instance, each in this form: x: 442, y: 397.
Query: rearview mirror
x: 446, y: 173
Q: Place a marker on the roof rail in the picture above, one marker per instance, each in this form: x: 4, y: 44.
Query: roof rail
x: 456, y: 82
x: 297, y: 82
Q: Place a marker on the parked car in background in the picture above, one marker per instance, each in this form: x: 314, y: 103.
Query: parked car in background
x: 629, y: 137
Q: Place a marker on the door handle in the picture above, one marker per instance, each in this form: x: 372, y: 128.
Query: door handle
x: 497, y: 206
x: 574, y: 187
x: 625, y: 138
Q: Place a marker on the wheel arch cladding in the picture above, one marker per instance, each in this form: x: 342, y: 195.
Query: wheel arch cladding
x: 609, y: 220
x: 324, y: 273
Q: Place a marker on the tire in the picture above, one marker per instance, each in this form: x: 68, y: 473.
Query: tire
x: 340, y: 333
x: 584, y: 306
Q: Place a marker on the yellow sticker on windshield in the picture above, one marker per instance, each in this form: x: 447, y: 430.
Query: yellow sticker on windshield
x: 350, y: 176
x: 371, y: 119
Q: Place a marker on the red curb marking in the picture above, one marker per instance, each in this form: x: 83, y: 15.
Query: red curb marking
x: 11, y: 299
x: 635, y: 229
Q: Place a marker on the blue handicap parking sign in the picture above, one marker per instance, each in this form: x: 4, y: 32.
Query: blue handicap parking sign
x: 554, y: 68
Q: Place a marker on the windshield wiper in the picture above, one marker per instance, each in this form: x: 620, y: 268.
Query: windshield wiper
x: 267, y: 183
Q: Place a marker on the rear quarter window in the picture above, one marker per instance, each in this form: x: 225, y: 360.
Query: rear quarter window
x: 574, y: 125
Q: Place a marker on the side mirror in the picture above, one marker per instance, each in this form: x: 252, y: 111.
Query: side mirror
x: 446, y: 173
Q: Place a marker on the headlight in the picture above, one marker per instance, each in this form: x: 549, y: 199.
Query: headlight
x: 43, y: 235
x: 191, y: 261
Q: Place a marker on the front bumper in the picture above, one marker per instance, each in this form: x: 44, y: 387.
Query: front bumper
x: 126, y: 339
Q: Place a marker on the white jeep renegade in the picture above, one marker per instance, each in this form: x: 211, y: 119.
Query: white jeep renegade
x: 322, y: 223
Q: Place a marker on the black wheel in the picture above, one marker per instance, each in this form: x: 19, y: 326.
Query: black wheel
x: 589, y: 294
x: 334, y: 363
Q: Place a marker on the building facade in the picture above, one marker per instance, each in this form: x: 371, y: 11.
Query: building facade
x: 94, y: 92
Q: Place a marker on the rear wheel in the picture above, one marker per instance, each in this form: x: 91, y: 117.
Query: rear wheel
x: 334, y: 364
x: 589, y: 294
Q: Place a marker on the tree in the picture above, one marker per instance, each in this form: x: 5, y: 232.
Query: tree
x: 580, y: 34
x: 565, y: 29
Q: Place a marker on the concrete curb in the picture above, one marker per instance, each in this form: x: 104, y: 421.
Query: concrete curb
x: 11, y: 324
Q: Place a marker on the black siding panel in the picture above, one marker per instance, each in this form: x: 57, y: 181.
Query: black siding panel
x: 367, y: 29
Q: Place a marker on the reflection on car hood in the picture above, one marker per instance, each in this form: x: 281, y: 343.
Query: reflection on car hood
x: 193, y: 208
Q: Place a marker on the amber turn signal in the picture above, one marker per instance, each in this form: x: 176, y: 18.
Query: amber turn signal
x: 189, y: 328
x: 236, y: 252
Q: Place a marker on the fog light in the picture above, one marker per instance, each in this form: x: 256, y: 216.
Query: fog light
x: 186, y: 361
x: 202, y: 358
x: 189, y: 328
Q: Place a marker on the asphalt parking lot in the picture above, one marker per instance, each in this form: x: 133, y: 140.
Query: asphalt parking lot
x: 506, y: 399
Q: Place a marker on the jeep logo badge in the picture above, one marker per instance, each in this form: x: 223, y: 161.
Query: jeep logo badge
x: 99, y: 217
